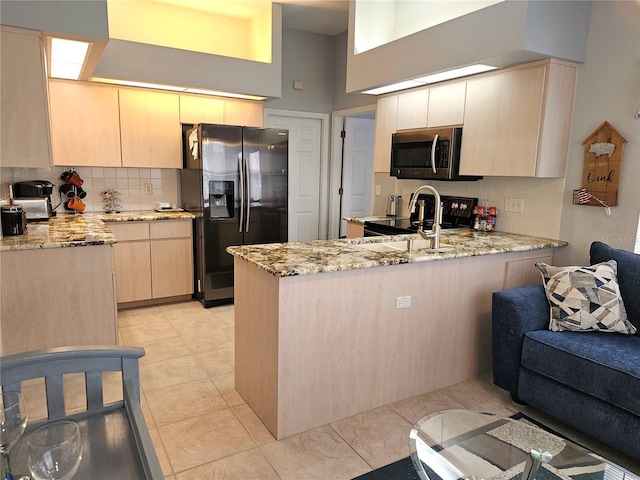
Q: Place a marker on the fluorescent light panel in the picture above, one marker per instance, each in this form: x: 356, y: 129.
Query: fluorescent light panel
x: 436, y: 77
x: 174, y: 88
x: 67, y: 58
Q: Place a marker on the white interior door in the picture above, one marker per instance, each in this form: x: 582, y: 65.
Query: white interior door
x: 357, y: 173
x: 304, y: 174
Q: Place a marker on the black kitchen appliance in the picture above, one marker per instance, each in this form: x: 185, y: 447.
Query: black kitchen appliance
x: 35, y: 197
x: 14, y: 219
x: 235, y: 182
x: 457, y: 212
x: 428, y: 154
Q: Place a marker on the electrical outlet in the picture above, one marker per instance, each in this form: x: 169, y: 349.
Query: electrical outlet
x: 148, y: 189
x: 403, y: 302
x: 377, y: 189
x: 513, y: 204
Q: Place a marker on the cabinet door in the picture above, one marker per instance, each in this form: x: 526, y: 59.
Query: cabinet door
x: 502, y: 123
x: 412, y: 109
x: 201, y: 110
x: 171, y: 267
x: 244, y: 112
x: 150, y: 129
x: 85, y: 127
x: 133, y: 271
x: 24, y: 120
x: 446, y: 105
x: 386, y: 117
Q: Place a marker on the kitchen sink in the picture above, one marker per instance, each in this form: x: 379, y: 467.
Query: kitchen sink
x: 401, y: 246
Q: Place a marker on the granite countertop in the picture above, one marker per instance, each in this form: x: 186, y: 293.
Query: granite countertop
x: 68, y: 230
x: 290, y: 259
x: 373, y: 218
x: 145, y: 215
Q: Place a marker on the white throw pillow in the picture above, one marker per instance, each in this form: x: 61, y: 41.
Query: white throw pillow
x: 585, y: 298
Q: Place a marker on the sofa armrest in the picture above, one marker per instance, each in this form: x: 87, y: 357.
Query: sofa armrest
x: 515, y: 312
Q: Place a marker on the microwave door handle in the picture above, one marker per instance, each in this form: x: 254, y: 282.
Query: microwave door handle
x: 248, y: 184
x: 241, y: 172
x: 433, y: 153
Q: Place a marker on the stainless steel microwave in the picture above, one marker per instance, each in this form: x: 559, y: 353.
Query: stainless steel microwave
x: 428, y: 154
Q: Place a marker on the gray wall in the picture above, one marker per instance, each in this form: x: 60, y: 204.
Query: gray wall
x: 608, y: 89
x: 320, y: 61
x: 308, y: 58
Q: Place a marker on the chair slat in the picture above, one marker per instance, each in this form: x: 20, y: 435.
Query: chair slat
x: 95, y: 398
x: 55, y: 396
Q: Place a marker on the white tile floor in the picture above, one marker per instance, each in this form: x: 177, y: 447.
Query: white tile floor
x: 202, y: 428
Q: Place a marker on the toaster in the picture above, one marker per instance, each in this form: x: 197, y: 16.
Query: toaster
x: 36, y: 209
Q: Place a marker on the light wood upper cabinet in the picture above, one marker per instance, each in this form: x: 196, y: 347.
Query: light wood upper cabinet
x: 412, y: 109
x: 516, y: 122
x: 24, y: 118
x: 243, y: 112
x: 85, y: 124
x: 386, y: 117
x: 150, y: 129
x: 446, y: 105
x: 195, y: 109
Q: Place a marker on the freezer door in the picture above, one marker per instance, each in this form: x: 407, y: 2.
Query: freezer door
x: 221, y: 148
x: 265, y: 156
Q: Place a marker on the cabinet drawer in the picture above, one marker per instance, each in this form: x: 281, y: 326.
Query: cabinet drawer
x: 170, y: 229
x: 130, y: 231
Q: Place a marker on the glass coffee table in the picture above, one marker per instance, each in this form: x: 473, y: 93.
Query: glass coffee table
x: 463, y: 444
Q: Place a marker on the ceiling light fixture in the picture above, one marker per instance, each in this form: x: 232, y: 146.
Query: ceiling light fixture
x: 436, y: 77
x: 175, y: 88
x: 67, y: 58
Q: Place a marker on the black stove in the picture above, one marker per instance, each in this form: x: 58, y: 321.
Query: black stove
x: 457, y: 212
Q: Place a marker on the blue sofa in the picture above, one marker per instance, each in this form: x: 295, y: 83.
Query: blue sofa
x: 589, y: 380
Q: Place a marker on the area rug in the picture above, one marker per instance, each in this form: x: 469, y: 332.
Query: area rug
x: 404, y: 469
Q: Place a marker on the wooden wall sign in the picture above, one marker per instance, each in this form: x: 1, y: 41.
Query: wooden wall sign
x: 602, y: 160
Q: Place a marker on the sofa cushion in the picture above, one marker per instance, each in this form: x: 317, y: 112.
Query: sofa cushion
x: 585, y: 298
x: 628, y: 276
x: 604, y: 365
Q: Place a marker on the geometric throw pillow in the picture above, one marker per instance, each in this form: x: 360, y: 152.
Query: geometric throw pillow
x: 585, y: 298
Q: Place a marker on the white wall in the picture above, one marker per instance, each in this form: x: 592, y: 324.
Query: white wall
x: 608, y: 89
x: 542, y: 201
x: 130, y: 182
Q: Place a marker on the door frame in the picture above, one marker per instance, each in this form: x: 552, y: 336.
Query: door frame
x: 323, y: 206
x: 337, y: 122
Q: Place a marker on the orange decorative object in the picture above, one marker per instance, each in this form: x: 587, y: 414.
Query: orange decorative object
x: 602, y: 161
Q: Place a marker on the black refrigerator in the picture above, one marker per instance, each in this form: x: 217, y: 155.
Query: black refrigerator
x: 235, y: 182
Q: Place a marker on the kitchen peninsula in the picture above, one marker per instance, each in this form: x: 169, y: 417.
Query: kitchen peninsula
x: 328, y: 329
x: 58, y: 285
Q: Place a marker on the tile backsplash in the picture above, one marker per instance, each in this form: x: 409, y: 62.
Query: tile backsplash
x: 140, y: 188
x: 542, y: 200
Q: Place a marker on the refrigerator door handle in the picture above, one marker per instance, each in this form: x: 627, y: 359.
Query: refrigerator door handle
x: 248, y: 174
x: 241, y: 171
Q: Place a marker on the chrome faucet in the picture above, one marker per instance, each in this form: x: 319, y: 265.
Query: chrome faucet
x: 434, y: 236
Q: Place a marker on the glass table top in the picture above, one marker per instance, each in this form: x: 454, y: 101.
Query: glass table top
x: 463, y: 444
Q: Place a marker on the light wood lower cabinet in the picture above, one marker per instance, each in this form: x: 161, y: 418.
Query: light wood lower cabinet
x: 153, y: 260
x: 57, y: 297
x: 371, y: 353
x: 355, y: 230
